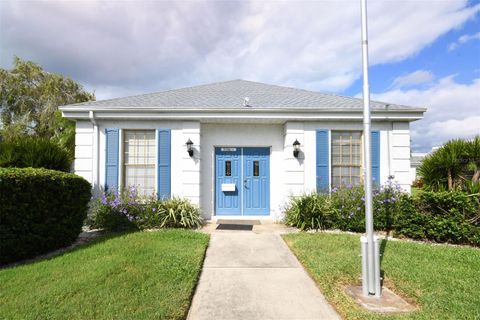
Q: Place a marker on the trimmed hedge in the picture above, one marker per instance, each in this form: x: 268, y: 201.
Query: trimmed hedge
x: 34, y: 152
x: 40, y: 210
x: 450, y: 216
x: 447, y: 216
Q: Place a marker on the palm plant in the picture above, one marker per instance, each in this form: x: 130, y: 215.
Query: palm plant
x: 473, y: 151
x: 451, y: 166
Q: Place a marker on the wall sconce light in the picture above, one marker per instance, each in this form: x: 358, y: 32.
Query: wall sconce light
x: 189, y: 147
x: 296, y: 148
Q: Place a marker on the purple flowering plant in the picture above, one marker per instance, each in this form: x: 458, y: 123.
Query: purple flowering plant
x: 348, y: 207
x: 386, y: 204
x: 348, y: 203
x: 120, y: 210
x: 128, y: 210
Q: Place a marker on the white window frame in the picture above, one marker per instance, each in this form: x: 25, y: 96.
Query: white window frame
x: 332, y: 165
x: 123, y: 175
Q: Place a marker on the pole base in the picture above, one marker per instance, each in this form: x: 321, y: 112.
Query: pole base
x: 371, y: 285
x: 389, y: 302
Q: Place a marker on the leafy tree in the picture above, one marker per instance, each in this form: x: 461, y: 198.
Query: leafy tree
x: 456, y: 165
x: 29, y: 101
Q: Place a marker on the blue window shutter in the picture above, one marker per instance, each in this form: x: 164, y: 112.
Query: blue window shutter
x: 323, y: 158
x: 376, y: 157
x: 164, y: 163
x: 111, y: 159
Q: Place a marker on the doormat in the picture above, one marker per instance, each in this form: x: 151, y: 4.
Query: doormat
x: 240, y: 227
x: 238, y: 221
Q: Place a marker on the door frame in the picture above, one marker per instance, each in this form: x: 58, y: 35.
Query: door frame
x: 242, y: 215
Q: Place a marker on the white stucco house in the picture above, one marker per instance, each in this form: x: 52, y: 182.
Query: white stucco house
x: 416, y: 159
x: 242, y: 160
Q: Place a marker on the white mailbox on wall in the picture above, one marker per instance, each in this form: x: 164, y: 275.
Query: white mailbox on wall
x: 228, y: 187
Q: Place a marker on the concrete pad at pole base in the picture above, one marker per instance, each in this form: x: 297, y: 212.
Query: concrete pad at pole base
x: 389, y: 302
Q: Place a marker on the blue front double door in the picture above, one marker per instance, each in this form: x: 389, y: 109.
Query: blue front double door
x: 242, y: 181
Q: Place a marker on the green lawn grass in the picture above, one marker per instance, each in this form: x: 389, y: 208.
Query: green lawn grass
x: 142, y: 275
x: 443, y: 281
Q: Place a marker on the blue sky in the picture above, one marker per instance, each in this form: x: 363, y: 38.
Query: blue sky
x: 440, y: 58
x: 422, y: 52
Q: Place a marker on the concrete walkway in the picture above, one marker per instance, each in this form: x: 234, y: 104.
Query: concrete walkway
x: 253, y: 275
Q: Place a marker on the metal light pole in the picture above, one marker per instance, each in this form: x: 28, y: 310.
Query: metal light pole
x: 370, y: 256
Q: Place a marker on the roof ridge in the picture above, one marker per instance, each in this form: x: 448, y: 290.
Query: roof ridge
x: 229, y: 87
x: 155, y: 92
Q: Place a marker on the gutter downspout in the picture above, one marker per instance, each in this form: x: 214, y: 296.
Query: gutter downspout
x: 95, y: 158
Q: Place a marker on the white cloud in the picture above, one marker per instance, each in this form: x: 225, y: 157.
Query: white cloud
x: 146, y: 46
x: 467, y: 37
x: 453, y: 111
x: 412, y: 79
x: 463, y: 39
x: 463, y: 128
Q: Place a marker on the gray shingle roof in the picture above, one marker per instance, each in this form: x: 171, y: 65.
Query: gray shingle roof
x: 416, y: 160
x: 232, y: 94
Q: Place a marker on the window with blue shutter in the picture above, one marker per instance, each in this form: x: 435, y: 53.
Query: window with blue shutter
x: 322, y: 161
x: 139, y: 161
x: 111, y: 159
x: 164, y: 163
x: 375, y: 157
x: 346, y: 158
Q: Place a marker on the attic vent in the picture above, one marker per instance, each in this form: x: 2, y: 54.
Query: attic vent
x: 245, y: 102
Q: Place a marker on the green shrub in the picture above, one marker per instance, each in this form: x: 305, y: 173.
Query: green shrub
x: 454, y: 203
x: 34, y: 152
x: 349, y: 208
x: 118, y: 210
x: 447, y: 216
x: 409, y: 222
x: 310, y: 211
x: 387, y: 205
x: 126, y: 210
x: 348, y: 203
x: 344, y: 209
x: 40, y: 210
x: 452, y: 216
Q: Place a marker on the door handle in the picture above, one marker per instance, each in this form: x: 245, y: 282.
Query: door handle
x: 245, y: 183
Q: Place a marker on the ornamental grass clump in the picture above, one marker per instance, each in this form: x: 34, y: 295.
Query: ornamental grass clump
x: 310, y: 211
x: 178, y: 213
x: 126, y: 210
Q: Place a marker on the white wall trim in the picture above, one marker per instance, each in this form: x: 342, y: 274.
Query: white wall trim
x: 194, y: 178
x: 242, y: 115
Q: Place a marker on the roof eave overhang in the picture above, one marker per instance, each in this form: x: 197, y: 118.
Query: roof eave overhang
x: 297, y: 114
